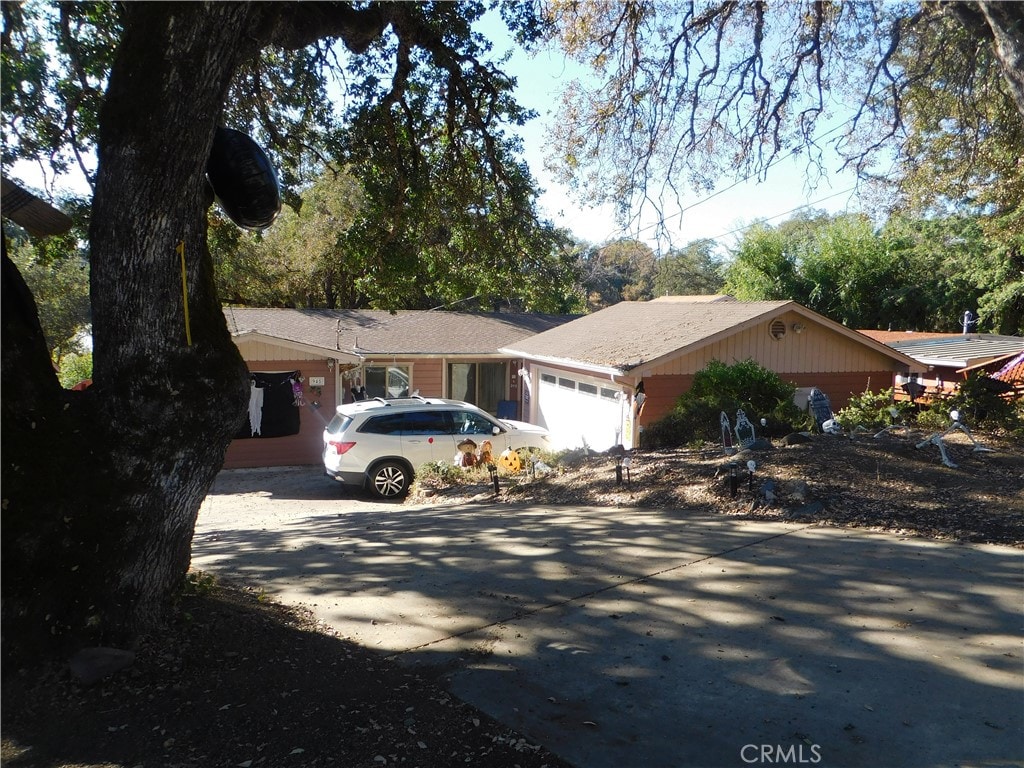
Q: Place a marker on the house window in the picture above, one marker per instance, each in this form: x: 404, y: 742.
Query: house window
x: 588, y: 389
x: 547, y: 378
x: 387, y: 381
x: 482, y: 384
x: 566, y: 383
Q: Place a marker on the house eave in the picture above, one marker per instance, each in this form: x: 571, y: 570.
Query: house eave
x: 607, y: 370
x: 340, y: 356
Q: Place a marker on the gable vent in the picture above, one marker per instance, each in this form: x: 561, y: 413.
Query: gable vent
x: 777, y: 329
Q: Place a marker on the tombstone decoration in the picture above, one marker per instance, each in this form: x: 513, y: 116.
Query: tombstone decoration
x: 744, y: 430
x: 821, y: 408
x: 727, y: 447
x: 243, y: 180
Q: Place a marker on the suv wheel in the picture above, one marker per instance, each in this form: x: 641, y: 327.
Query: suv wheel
x: 390, y: 480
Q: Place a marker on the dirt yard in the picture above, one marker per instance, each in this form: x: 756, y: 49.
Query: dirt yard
x: 885, y: 484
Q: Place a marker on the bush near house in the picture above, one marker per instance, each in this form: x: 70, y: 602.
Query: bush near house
x: 979, y: 404
x: 717, y: 387
x: 871, y: 410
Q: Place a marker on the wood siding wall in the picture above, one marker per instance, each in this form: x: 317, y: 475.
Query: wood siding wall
x: 305, y: 448
x: 816, y: 349
x: 815, y: 357
x: 261, y: 353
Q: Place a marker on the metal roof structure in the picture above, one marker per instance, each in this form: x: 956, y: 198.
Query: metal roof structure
x: 951, y: 350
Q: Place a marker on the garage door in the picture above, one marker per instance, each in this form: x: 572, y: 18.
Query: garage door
x: 579, y: 411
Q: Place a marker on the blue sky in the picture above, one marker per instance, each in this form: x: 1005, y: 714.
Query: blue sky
x: 719, y: 215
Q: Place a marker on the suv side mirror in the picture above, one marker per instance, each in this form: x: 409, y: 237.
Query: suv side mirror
x: 495, y: 430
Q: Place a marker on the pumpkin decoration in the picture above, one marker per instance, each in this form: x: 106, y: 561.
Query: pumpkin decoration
x: 510, y: 461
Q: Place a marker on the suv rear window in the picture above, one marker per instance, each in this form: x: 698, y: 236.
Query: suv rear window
x: 339, y: 423
x: 427, y: 423
x: 387, y: 424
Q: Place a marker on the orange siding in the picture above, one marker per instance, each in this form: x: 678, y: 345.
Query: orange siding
x: 303, y: 448
x: 815, y: 357
x: 840, y: 387
x: 662, y: 393
x: 428, y: 377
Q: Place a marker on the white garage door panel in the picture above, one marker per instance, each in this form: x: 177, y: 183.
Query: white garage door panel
x: 576, y: 417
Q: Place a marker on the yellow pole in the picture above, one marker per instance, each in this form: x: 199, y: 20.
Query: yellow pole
x: 184, y: 291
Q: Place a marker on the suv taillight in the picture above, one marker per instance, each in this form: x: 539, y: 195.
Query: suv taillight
x: 339, y: 446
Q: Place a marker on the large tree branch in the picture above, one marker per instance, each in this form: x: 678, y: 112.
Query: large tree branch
x: 1006, y: 21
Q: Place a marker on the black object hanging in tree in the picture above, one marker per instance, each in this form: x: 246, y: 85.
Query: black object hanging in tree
x: 243, y: 180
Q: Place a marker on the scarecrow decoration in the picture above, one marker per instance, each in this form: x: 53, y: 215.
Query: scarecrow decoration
x: 484, y: 456
x: 466, y: 455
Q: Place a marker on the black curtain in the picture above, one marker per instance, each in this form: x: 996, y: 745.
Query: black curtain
x: 279, y: 415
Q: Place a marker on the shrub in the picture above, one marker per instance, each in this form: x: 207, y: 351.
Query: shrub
x: 440, y: 474
x: 871, y: 410
x: 718, y: 387
x: 979, y: 406
x: 934, y: 419
x: 682, y: 427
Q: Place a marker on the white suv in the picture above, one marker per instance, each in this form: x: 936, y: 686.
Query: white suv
x: 377, y: 444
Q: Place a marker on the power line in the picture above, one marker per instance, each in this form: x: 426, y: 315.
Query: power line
x: 786, y: 213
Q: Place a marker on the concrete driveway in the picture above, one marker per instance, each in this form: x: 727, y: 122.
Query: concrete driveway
x: 622, y: 637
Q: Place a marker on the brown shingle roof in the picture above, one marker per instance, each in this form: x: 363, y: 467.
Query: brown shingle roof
x: 407, y: 332
x: 631, y: 333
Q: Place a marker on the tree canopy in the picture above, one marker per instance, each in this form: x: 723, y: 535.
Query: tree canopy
x: 418, y: 94
x: 683, y: 94
x: 910, y: 274
x: 405, y: 99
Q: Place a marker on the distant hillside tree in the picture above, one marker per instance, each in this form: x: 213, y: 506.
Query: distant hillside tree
x: 692, y: 270
x: 622, y: 270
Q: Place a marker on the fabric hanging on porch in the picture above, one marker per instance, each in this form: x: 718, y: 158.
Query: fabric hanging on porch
x: 255, y: 408
x: 279, y: 416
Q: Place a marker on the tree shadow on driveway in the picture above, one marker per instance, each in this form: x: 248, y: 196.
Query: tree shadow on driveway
x: 665, y: 637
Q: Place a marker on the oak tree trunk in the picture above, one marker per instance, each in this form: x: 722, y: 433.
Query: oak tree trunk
x: 101, y: 488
